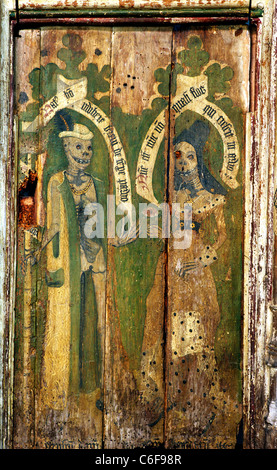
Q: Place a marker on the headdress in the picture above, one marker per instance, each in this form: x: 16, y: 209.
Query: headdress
x: 68, y: 128
x: 197, y: 136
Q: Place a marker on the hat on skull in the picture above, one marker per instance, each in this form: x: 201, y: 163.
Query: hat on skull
x: 79, y: 131
x: 68, y: 128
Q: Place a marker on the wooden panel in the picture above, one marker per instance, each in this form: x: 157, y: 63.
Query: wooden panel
x: 67, y: 353
x: 205, y: 277
x: 134, y: 395
x: 27, y: 51
x: 78, y: 407
x: 130, y: 340
x: 119, y: 4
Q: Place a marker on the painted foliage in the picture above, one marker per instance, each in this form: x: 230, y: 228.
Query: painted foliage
x: 127, y: 334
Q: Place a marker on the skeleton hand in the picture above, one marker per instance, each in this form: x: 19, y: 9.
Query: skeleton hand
x: 185, y: 268
x: 33, y: 257
x: 128, y: 237
x: 207, y: 257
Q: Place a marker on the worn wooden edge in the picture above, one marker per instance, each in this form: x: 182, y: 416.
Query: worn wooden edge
x: 11, y: 186
x: 254, y: 298
x: 247, y: 250
x: 6, y: 295
x: 27, y: 23
x: 264, y: 235
x: 259, y: 238
x: 271, y: 372
x: 137, y: 12
x: 127, y: 4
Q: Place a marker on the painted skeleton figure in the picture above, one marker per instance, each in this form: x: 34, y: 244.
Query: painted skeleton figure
x: 193, y: 388
x: 76, y: 277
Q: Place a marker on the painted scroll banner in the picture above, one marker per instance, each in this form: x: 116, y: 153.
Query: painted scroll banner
x: 147, y: 159
x: 191, y: 95
x: 120, y: 166
x: 71, y: 94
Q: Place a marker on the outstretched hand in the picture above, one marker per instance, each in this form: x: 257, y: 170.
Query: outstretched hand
x: 206, y: 258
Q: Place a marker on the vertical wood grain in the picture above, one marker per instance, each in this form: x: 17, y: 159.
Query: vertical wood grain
x: 27, y: 52
x: 135, y: 315
x: 203, y: 356
x: 161, y: 384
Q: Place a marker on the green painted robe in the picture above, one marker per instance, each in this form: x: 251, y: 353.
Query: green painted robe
x: 72, y: 356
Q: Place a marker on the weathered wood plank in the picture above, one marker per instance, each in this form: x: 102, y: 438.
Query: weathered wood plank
x: 65, y: 336
x: 134, y: 351
x: 204, y: 284
x: 97, y: 314
x: 127, y: 4
x: 27, y: 53
x: 255, y: 422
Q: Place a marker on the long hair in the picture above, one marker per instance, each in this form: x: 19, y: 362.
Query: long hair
x: 197, y: 136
